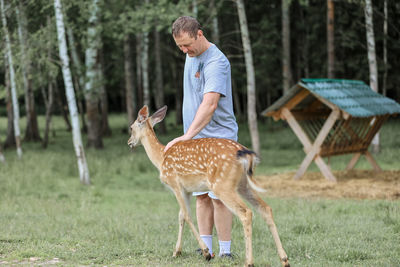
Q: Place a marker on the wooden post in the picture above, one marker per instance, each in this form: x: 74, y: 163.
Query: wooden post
x: 312, y: 150
x: 353, y: 161
x: 372, y: 161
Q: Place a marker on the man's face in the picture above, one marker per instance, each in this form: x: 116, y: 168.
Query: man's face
x: 189, y: 45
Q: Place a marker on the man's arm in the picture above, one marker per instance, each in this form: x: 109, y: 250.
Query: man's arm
x: 202, y: 118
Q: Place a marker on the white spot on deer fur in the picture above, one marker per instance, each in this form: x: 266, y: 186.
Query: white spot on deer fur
x: 223, y: 156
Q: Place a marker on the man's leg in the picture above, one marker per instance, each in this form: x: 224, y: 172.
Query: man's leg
x: 205, y: 218
x: 223, y: 223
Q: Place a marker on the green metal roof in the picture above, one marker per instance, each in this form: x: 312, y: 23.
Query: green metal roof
x: 351, y: 96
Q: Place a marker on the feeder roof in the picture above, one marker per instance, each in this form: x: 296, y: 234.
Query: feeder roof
x: 352, y: 96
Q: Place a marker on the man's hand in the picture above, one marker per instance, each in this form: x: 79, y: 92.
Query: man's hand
x: 171, y: 143
x: 203, y: 116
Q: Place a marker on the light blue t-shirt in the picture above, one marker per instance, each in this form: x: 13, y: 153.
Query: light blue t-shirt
x: 209, y: 72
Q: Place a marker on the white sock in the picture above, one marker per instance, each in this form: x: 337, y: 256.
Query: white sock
x: 208, y: 240
x: 224, y: 247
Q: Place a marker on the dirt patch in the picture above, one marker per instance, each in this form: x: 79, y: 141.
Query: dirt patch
x: 358, y: 184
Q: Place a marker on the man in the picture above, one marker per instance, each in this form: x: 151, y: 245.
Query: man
x: 207, y: 112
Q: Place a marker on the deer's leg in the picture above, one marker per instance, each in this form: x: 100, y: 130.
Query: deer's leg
x: 178, y: 247
x: 233, y: 201
x: 266, y: 212
x: 184, y: 215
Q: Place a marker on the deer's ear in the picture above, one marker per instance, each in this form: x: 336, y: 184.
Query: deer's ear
x: 143, y: 114
x: 158, y: 116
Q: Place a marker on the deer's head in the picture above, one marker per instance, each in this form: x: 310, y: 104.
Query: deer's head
x: 143, y: 122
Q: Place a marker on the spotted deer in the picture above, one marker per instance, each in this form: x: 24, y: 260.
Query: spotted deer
x: 207, y: 164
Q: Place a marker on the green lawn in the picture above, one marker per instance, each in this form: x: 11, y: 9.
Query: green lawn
x: 127, y: 217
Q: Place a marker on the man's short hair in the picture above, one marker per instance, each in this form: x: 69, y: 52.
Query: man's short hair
x: 186, y: 24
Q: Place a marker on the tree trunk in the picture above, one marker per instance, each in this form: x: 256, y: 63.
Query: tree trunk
x: 286, y: 62
x: 63, y: 108
x: 178, y: 90
x: 105, y: 126
x: 2, y: 158
x: 331, y: 38
x: 131, y: 104
x: 304, y: 47
x: 79, y: 79
x: 145, y: 69
x: 373, y: 68
x: 77, y: 139
x: 195, y: 10
x: 139, y: 42
x: 10, y: 139
x: 50, y: 97
x: 13, y: 83
x: 159, y: 86
x: 236, y: 100
x: 32, y: 129
x: 49, y: 111
x: 92, y: 90
x: 215, y: 31
x: 251, y: 81
x: 385, y: 36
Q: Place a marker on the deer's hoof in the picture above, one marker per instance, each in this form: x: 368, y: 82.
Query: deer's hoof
x: 285, y: 262
x: 206, y: 254
x: 177, y: 254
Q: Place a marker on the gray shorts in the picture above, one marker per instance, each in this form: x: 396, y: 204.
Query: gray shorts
x: 210, y: 194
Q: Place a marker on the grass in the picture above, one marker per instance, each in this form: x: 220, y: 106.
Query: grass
x: 127, y: 217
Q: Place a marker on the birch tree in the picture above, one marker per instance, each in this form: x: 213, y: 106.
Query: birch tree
x: 14, y: 95
x: 77, y: 139
x: 32, y: 129
x: 10, y: 138
x: 195, y: 9
x: 373, y: 67
x: 251, y: 81
x: 215, y: 31
x: 330, y: 38
x: 92, y: 90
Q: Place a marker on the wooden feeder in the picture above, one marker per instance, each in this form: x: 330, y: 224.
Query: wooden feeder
x: 333, y: 117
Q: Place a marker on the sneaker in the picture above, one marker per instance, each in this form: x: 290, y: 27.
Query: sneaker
x: 226, y: 256
x: 200, y: 252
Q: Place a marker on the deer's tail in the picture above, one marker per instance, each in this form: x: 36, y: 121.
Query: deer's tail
x: 249, y: 160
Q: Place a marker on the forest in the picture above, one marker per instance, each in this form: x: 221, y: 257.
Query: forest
x: 81, y: 70
x: 121, y: 55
